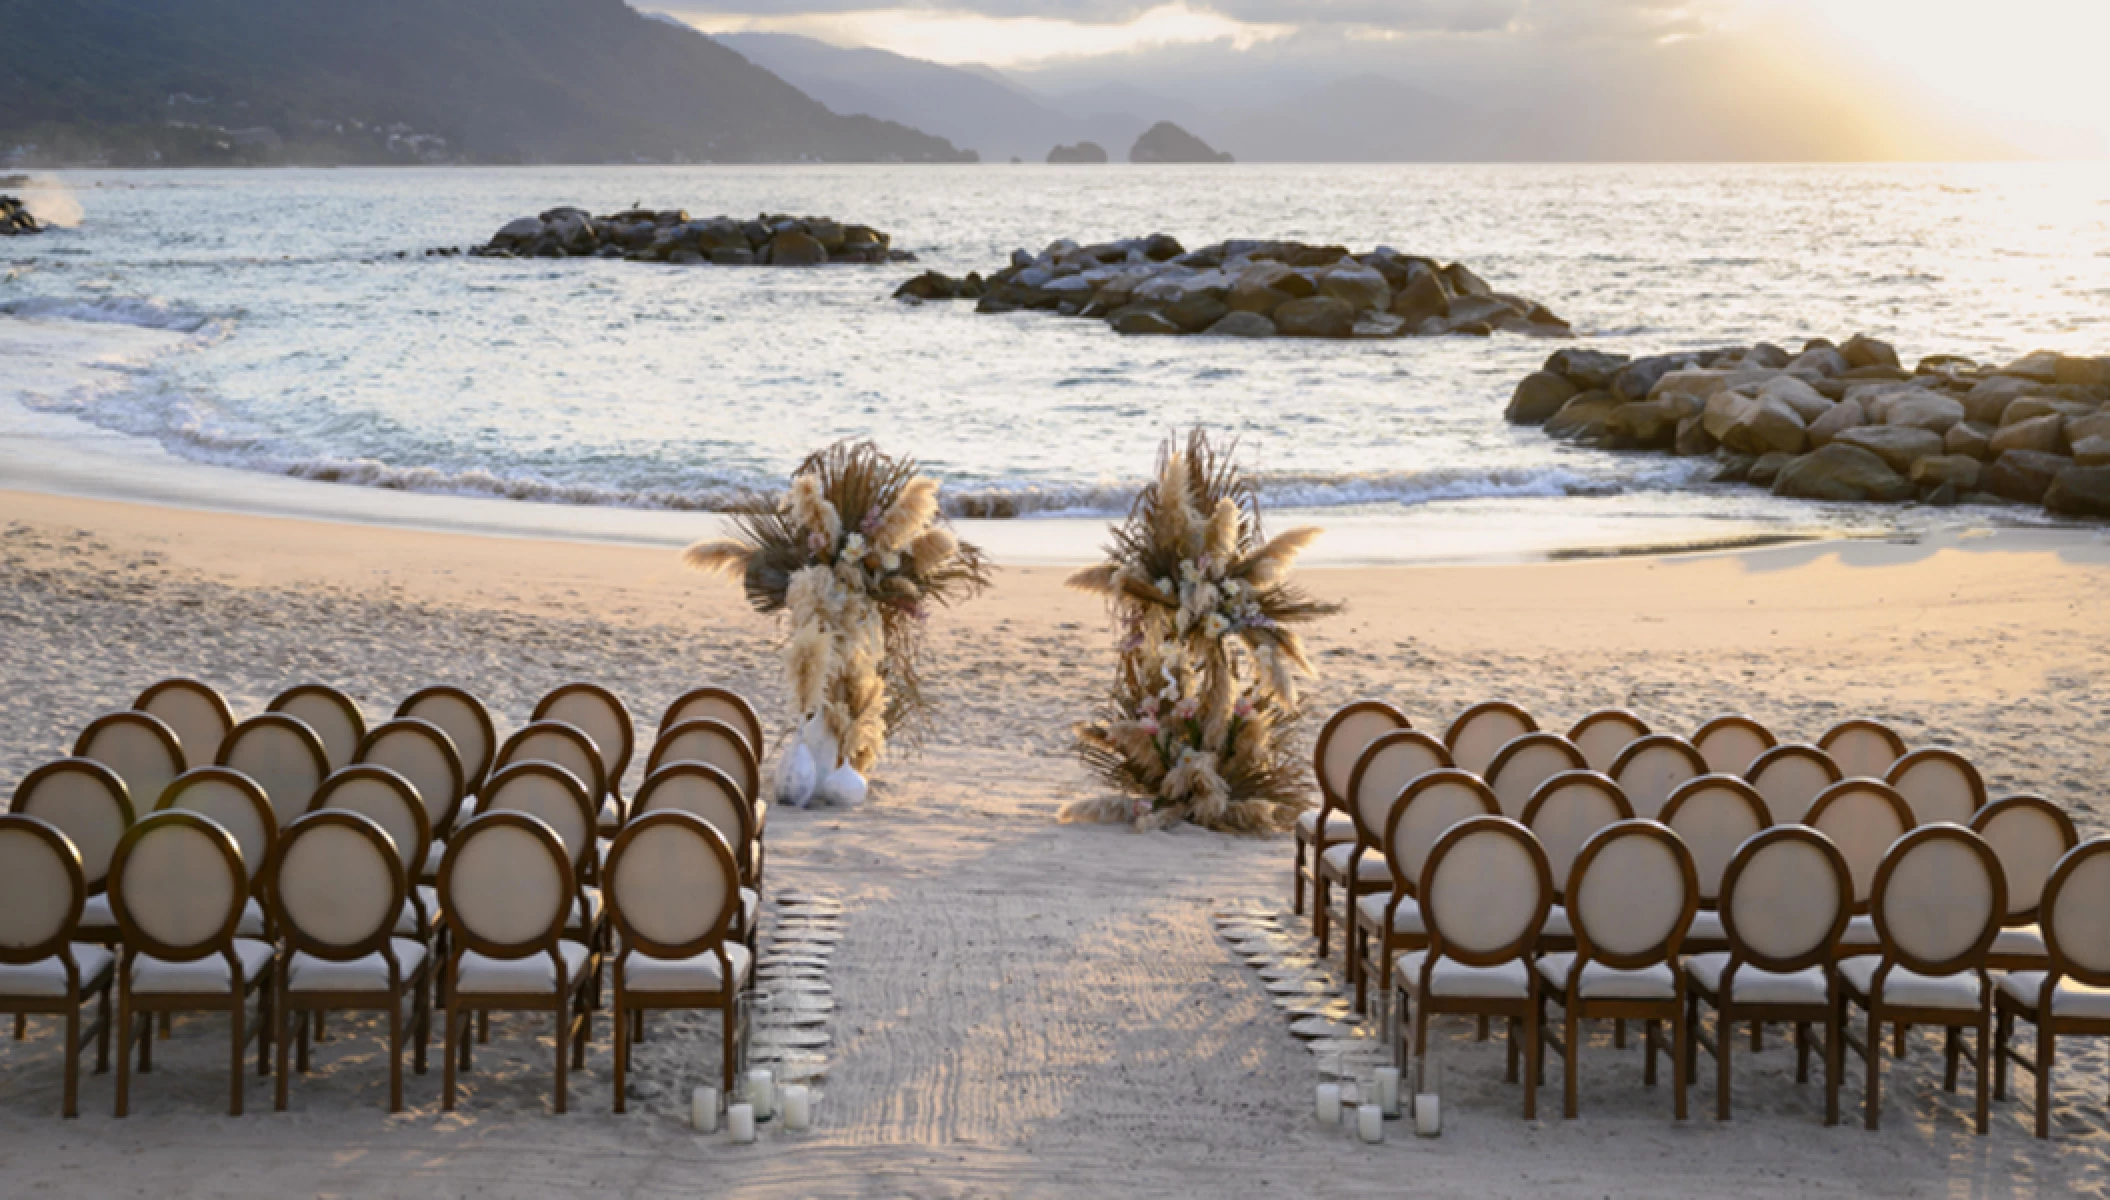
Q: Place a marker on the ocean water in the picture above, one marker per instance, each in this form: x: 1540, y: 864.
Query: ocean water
x: 296, y: 330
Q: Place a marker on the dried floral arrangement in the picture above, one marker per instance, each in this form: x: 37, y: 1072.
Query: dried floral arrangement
x: 856, y: 555
x: 1198, y: 724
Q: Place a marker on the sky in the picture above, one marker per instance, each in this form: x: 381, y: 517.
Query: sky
x: 2025, y: 72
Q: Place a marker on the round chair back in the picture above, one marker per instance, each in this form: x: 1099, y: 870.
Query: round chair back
x: 713, y: 742
x: 194, y: 712
x: 717, y: 704
x: 2077, y: 914
x: 1786, y: 898
x: 1427, y: 808
x: 41, y: 889
x: 1713, y: 815
x: 2029, y: 835
x: 465, y: 721
x: 1605, y: 734
x: 389, y: 801
x: 1522, y: 767
x: 235, y: 803
x: 1790, y: 778
x: 550, y: 794
x: 1632, y: 895
x: 1732, y: 742
x: 506, y: 885
x: 423, y: 753
x: 703, y: 791
x: 337, y: 886
x: 594, y: 711
x: 1389, y: 763
x: 1342, y: 740
x: 177, y: 886
x: 1940, y: 785
x: 673, y: 888
x: 84, y: 800
x: 139, y: 748
x: 1864, y: 819
x: 1653, y: 768
x: 1485, y: 892
x: 562, y: 745
x: 1863, y: 749
x: 1938, y: 900
x: 283, y: 756
x: 1567, y: 812
x: 330, y: 713
x: 1481, y: 731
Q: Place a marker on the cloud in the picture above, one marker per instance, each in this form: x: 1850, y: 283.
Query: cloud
x: 1587, y: 18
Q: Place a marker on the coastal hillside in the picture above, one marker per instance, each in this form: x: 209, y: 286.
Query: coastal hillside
x: 192, y: 82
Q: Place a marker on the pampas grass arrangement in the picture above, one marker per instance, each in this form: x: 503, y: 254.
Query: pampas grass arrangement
x: 1198, y: 722
x: 856, y: 557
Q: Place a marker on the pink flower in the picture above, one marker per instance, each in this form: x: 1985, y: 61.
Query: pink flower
x: 1150, y: 705
x: 1188, y: 709
x: 1244, y: 707
x: 817, y: 542
x: 1148, y: 725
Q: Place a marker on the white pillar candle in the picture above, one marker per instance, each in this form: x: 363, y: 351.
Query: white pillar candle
x: 762, y: 1093
x: 798, y: 1107
x: 741, y: 1119
x: 1428, y: 1115
x: 1370, y: 1122
x: 703, y: 1110
x: 1330, y: 1103
x: 1388, y: 1090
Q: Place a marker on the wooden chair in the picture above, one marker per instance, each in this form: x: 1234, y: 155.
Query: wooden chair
x: 1484, y: 892
x: 1940, y: 785
x: 1863, y: 749
x: 1732, y: 742
x: 705, y: 791
x: 1786, y: 897
x: 1713, y: 815
x: 1603, y: 735
x: 42, y: 968
x: 424, y: 754
x: 1386, y: 922
x: 1790, y: 777
x: 2071, y: 997
x: 178, y: 887
x: 333, y: 716
x: 2029, y: 835
x: 139, y: 748
x: 1864, y: 819
x: 1388, y: 764
x: 235, y: 803
x: 194, y: 712
x: 565, y: 745
x: 391, y: 802
x: 1481, y: 731
x: 1631, y: 897
x: 1523, y: 766
x: 506, y: 887
x: 1937, y: 904
x: 595, y: 711
x: 1651, y: 769
x: 467, y: 724
x: 1569, y: 810
x: 337, y: 889
x: 283, y: 756
x: 1342, y: 740
x: 718, y: 744
x: 88, y: 803
x: 674, y: 896
x: 718, y: 704
x: 554, y: 796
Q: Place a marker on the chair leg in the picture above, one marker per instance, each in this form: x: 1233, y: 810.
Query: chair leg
x: 1897, y: 1038
x: 1573, y: 1043
x: 1985, y: 1037
x: 1534, y: 1057
x: 622, y: 1053
x: 70, y: 1100
x: 279, y: 1092
x: 424, y: 1021
x: 452, y: 1031
x: 395, y: 1053
x: 1802, y: 1051
x: 1679, y: 1031
x: 124, y: 1050
x: 1619, y: 1034
x: 1321, y: 908
x: 2046, y: 1054
x: 483, y: 1027
x: 2003, y: 1034
x: 308, y: 1019
x: 102, y: 1035
x: 21, y: 1026
x: 168, y: 1025
x: 1951, y: 1055
x: 266, y: 1008
x: 729, y: 1039
x: 1648, y: 1055
x: 1758, y: 1037
x: 236, y: 1019
x: 1834, y: 1063
x: 1873, y: 1060
x: 1509, y: 1074
x: 563, y: 1044
x: 146, y: 1048
x: 1358, y: 943
x: 1296, y: 885
x: 1725, y: 1039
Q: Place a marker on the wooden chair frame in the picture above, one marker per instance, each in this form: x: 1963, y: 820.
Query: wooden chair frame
x: 1516, y: 749
x: 267, y: 817
x: 1903, y: 811
x: 745, y: 851
x: 749, y: 719
x: 156, y: 729
x: 2042, y: 1012
x: 614, y: 760
x: 1724, y: 724
x: 202, y: 691
x: 1406, y: 885
x: 1669, y: 742
x: 1855, y: 725
x: 442, y: 812
x: 1973, y: 780
x: 473, y: 770
x: 114, y: 786
x: 1711, y: 902
x: 343, y: 704
x: 595, y: 781
x: 1579, y: 732
x: 79, y: 988
x: 2023, y: 916
x: 1308, y: 847
x: 319, y: 756
x: 1467, y: 720
x: 1602, y: 784
x: 1760, y: 766
x: 1367, y: 839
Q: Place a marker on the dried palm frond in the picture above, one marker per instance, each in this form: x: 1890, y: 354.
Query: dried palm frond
x: 717, y: 558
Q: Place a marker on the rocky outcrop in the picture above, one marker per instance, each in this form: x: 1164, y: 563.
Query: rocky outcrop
x: 1082, y: 152
x: 1299, y: 290
x: 1846, y: 422
x: 1165, y: 142
x: 15, y: 220
x: 672, y: 236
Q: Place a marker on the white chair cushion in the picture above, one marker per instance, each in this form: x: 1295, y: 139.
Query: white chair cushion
x: 1374, y: 868
x: 252, y: 923
x: 2073, y: 999
x: 1706, y: 927
x: 1406, y: 920
x: 407, y: 924
x: 698, y: 974
x: 1557, y: 924
x: 1600, y: 982
x: 96, y: 916
x: 586, y: 911
x: 1755, y: 985
x: 750, y: 907
x: 202, y: 977
x: 1860, y: 934
x: 1510, y: 980
x: 533, y: 975
x: 1340, y: 827
x: 370, y: 974
x: 2022, y: 941
x: 1911, y: 989
x: 47, y: 977
x: 433, y: 855
x: 610, y: 815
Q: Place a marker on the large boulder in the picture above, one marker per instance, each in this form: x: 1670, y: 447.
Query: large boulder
x: 2094, y: 426
x: 1845, y: 415
x: 795, y: 249
x: 2092, y: 452
x: 1821, y: 359
x: 2041, y: 366
x: 1586, y: 369
x: 1316, y: 317
x: 1538, y: 396
x: 1899, y: 446
x: 1988, y: 399
x: 1693, y: 439
x: 1640, y: 376
x: 523, y: 229
x: 1969, y: 438
x: 1243, y: 325
x: 1698, y: 382
x: 1722, y: 410
x: 1649, y: 424
x: 1583, y: 418
x: 1931, y: 411
x: 2044, y: 435
x: 1954, y: 469
x: 1196, y: 310
x: 1765, y: 426
x: 1144, y: 322
x: 2080, y: 492
x: 1423, y: 297
x: 1863, y: 351
x: 2081, y: 372
x: 2023, y: 475
x: 1840, y: 472
x: 1357, y: 286
x: 1797, y: 395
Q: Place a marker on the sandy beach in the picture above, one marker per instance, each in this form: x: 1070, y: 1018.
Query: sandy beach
x: 1026, y: 1007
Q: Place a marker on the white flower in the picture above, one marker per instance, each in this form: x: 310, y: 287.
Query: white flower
x: 1165, y: 586
x: 1214, y: 625
x: 854, y: 546
x: 1189, y: 572
x: 890, y: 561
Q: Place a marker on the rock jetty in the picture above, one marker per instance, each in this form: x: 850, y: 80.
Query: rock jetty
x: 672, y: 236
x: 15, y: 220
x: 1847, y: 421
x: 1250, y: 288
